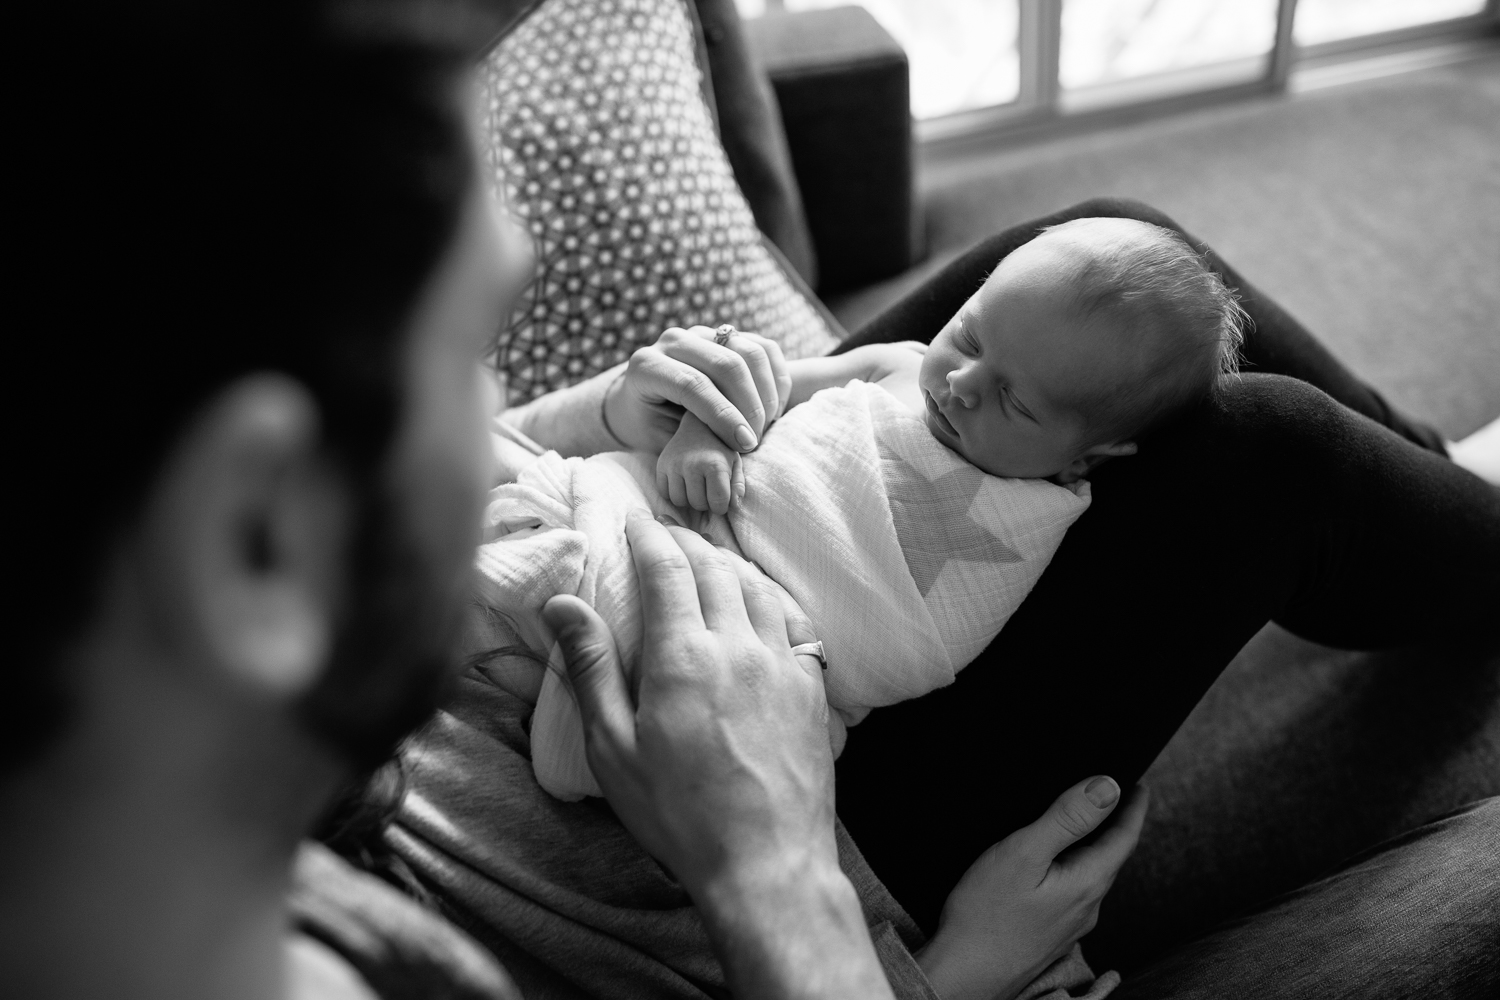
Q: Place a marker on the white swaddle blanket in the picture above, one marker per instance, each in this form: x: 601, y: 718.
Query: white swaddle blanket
x: 907, y: 559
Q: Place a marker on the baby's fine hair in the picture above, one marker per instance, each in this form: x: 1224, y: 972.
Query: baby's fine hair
x: 1187, y: 323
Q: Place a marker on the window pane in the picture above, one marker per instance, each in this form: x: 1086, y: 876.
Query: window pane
x: 1330, y: 20
x: 1108, y: 40
x: 962, y: 52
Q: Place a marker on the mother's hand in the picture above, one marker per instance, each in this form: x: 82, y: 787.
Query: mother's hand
x: 1028, y: 899
x: 736, y: 389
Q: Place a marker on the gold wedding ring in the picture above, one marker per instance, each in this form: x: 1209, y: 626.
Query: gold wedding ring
x: 723, y: 333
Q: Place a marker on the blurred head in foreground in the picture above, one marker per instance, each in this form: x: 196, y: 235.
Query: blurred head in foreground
x: 249, y: 436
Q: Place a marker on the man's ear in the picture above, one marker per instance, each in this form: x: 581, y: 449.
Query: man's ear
x: 246, y: 533
x: 1092, y: 456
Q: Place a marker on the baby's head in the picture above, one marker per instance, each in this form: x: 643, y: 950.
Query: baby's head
x: 1081, y: 341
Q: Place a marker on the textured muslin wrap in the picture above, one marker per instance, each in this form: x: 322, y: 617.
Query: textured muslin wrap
x: 907, y: 559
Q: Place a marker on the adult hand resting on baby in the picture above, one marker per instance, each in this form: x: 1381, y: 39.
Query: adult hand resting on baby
x: 736, y: 389
x: 720, y: 765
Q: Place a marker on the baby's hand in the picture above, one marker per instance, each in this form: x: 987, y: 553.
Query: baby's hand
x: 696, y: 470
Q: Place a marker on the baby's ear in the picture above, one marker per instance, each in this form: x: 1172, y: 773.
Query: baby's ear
x: 1092, y: 456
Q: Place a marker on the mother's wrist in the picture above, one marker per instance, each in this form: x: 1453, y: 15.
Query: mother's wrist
x: 968, y: 970
x: 609, y: 399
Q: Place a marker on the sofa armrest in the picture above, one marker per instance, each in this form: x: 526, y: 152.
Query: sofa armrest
x: 842, y: 84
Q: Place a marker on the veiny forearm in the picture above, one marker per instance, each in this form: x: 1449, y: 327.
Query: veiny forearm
x: 793, y: 932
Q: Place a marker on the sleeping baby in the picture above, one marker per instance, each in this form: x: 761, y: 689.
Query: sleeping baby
x: 910, y: 496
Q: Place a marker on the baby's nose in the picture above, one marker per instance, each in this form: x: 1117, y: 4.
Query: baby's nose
x: 967, y: 398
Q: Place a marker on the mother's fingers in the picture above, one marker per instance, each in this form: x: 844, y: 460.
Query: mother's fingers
x: 718, y: 585
x: 1101, y: 861
x: 781, y: 374
x: 1074, y: 815
x: 669, y: 594
x: 728, y: 369
x: 768, y: 368
x: 658, y: 378
x: 745, y: 372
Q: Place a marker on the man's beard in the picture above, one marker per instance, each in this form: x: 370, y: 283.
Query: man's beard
x: 395, y: 653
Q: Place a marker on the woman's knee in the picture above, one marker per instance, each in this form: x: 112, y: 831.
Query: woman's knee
x: 1111, y: 207
x: 1276, y: 422
x: 1278, y: 403
x: 1254, y: 423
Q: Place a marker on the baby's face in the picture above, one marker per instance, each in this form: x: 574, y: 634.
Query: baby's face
x: 999, y: 378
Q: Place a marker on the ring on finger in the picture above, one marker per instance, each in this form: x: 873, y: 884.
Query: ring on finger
x: 811, y: 649
x: 723, y: 333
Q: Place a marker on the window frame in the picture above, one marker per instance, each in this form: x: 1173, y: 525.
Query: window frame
x: 1042, y: 107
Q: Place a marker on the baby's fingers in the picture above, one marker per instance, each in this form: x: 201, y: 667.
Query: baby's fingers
x: 737, y: 481
x: 697, y: 490
x: 677, y: 491
x: 719, y: 488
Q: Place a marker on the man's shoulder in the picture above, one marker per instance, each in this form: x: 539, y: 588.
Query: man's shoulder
x: 317, y: 972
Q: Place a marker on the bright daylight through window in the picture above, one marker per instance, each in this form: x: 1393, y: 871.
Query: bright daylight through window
x: 965, y: 54
x: 1333, y: 20
x: 1108, y: 40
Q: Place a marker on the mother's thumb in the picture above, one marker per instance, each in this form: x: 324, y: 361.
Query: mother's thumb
x: 588, y: 648
x: 1077, y: 813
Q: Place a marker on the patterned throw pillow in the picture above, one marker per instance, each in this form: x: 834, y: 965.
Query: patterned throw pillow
x: 600, y: 139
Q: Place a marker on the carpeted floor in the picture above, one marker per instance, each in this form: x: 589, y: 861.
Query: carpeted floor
x: 1372, y: 211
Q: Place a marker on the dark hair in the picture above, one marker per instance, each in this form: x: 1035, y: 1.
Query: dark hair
x: 1185, y: 322
x: 220, y: 189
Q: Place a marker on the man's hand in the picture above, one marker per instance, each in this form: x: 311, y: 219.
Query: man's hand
x: 1029, y: 898
x: 696, y: 470
x: 721, y: 765
x: 724, y: 761
x: 736, y: 389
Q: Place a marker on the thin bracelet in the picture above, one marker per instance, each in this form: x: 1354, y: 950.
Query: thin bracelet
x: 604, y: 414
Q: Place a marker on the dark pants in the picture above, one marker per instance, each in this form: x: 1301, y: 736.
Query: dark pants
x: 1414, y: 917
x: 1304, y: 500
